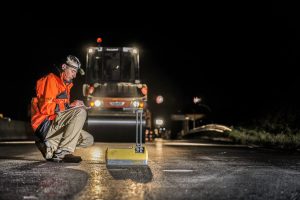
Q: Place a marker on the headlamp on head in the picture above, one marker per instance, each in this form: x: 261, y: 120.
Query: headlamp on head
x: 73, y: 61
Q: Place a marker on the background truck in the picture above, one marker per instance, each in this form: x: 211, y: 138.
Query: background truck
x: 113, y: 89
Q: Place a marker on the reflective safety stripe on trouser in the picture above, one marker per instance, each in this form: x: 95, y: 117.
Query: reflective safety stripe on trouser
x: 66, y: 130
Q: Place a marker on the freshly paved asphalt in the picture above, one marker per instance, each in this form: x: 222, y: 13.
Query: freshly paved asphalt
x: 176, y: 170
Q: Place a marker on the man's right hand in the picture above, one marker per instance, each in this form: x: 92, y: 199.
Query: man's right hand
x: 77, y: 103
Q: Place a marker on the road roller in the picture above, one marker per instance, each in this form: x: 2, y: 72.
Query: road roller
x: 114, y: 91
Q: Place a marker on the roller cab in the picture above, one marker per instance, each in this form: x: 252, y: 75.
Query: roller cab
x: 114, y: 91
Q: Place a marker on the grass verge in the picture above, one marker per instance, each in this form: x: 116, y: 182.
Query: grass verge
x: 263, y: 138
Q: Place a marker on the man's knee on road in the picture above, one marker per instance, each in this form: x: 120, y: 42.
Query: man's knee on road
x: 86, y: 141
x: 90, y: 141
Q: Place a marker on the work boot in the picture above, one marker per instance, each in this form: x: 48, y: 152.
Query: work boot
x: 65, y: 156
x: 45, y: 149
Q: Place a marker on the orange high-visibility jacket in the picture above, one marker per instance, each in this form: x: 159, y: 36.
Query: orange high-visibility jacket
x: 53, y: 95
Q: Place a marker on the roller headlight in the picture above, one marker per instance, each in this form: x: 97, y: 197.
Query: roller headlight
x: 98, y: 103
x: 135, y: 104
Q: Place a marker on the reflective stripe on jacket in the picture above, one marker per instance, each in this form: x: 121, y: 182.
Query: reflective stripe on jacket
x: 53, y: 95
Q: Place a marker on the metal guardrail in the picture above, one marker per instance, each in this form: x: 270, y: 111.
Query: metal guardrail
x: 210, y: 127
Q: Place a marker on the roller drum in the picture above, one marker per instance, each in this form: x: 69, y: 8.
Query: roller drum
x: 114, y: 129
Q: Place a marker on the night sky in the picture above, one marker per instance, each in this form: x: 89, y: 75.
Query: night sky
x: 241, y: 59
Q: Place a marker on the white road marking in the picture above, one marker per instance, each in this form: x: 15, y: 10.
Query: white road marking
x: 178, y: 170
x: 201, y: 144
x: 17, y: 142
x: 30, y: 197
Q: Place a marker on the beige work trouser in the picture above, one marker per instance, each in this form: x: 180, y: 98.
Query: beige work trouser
x: 66, y: 131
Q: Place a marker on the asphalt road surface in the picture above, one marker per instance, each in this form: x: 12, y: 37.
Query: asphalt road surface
x: 176, y: 170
